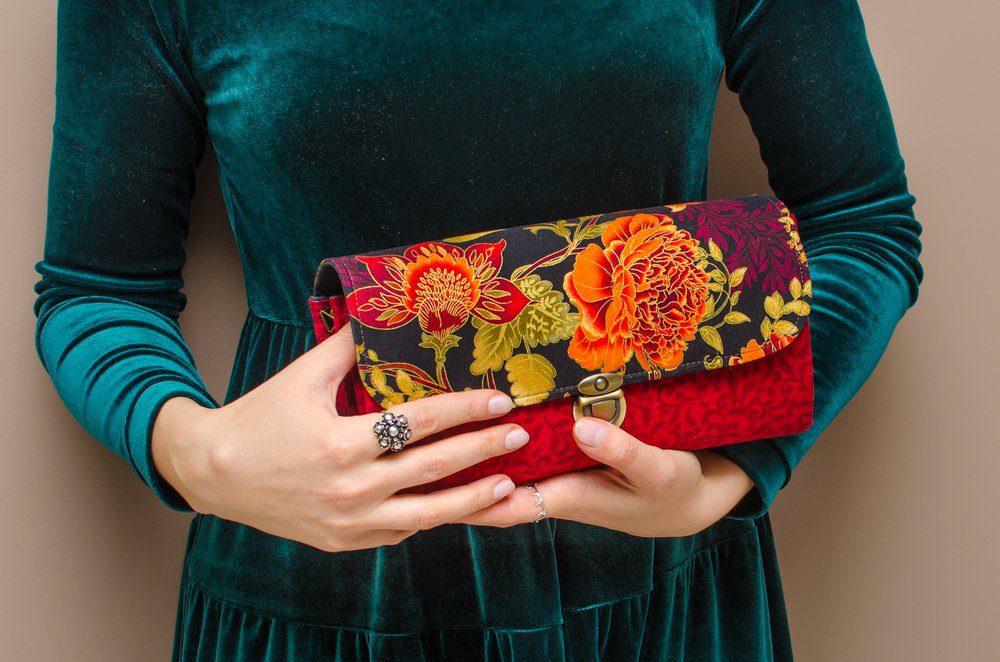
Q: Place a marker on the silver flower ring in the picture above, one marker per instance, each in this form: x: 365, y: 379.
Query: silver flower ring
x: 392, y: 431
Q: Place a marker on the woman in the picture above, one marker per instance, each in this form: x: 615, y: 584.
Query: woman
x: 344, y: 127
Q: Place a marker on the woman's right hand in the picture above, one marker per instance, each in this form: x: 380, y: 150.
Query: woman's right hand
x: 282, y: 460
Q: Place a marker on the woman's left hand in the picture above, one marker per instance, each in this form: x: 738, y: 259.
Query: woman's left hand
x: 643, y: 490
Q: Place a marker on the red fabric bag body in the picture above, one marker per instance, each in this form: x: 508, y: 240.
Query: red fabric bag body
x: 686, y: 324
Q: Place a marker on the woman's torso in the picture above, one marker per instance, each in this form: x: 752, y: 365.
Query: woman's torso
x: 341, y: 127
x: 346, y: 126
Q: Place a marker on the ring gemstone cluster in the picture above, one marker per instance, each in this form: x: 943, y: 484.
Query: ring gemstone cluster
x: 392, y: 431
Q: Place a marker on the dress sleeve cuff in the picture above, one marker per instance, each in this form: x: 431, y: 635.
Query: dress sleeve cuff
x: 139, y: 431
x: 768, y: 469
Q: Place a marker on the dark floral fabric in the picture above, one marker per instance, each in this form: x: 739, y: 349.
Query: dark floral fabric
x: 646, y: 293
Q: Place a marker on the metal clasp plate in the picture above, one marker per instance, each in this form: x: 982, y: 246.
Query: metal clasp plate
x: 601, y: 396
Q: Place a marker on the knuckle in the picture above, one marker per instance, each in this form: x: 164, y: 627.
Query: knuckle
x: 476, y: 406
x: 342, y: 490
x: 666, y: 474
x: 338, y: 453
x: 428, y: 517
x: 425, y: 419
x: 343, y: 522
x: 221, y: 458
x: 626, y: 453
x: 435, y: 464
x: 512, y: 514
x: 481, y: 498
x: 660, y: 483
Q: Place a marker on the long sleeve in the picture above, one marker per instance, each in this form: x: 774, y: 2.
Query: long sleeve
x: 807, y: 81
x: 129, y: 132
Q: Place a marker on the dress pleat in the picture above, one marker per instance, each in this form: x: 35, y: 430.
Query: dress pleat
x: 554, y: 590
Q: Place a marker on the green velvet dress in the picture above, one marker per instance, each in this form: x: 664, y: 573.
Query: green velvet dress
x: 343, y: 126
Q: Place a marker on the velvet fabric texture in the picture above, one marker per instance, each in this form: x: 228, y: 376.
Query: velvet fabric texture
x: 343, y: 127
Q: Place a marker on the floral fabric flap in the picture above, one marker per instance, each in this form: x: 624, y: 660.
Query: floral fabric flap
x: 532, y: 310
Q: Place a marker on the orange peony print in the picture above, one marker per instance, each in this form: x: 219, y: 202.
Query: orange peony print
x: 642, y: 295
x: 439, y: 285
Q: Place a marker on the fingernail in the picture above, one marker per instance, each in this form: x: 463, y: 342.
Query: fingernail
x: 590, y: 432
x: 516, y: 439
x: 503, y: 489
x: 500, y: 404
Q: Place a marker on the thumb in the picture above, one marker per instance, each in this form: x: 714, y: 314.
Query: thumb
x: 333, y: 357
x: 609, y: 444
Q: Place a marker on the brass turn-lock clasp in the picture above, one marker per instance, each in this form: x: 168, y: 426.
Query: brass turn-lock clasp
x: 601, y: 396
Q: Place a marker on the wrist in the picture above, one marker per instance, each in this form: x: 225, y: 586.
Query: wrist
x: 180, y: 446
x: 715, y: 464
x: 730, y: 484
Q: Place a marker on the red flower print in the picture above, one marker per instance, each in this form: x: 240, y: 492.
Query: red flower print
x: 438, y: 284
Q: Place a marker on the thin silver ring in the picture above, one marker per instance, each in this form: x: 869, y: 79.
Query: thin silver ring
x: 540, y: 504
x: 392, y: 431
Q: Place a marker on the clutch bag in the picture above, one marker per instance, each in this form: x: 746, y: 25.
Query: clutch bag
x: 685, y: 324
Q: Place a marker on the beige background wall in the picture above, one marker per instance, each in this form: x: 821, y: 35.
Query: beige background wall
x: 887, y: 532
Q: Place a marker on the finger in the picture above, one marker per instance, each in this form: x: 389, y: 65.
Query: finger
x: 430, y: 462
x: 644, y: 465
x: 332, y: 358
x: 427, y: 416
x: 425, y: 511
x: 584, y: 496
